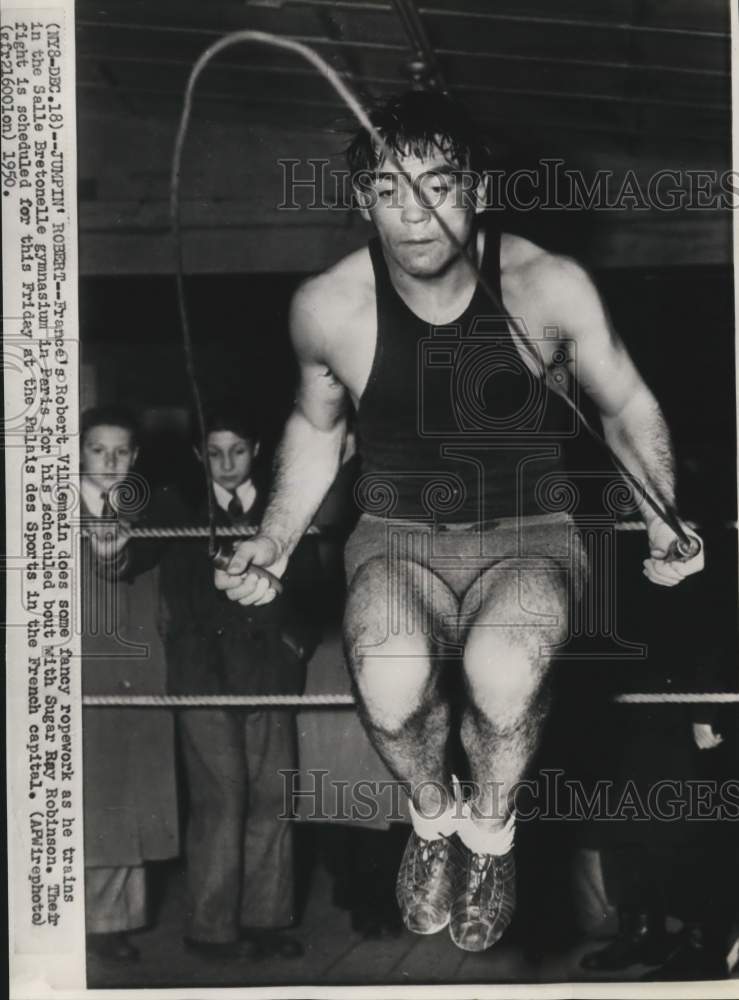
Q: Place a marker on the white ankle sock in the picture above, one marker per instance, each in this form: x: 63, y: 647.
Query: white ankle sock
x: 437, y: 825
x: 481, y: 841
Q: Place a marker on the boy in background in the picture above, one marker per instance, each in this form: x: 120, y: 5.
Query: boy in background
x: 239, y: 853
x: 130, y: 803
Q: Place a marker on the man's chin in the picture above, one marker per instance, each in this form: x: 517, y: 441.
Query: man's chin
x: 422, y: 266
x: 421, y: 263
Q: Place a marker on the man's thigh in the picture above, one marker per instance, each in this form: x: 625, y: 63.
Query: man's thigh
x: 394, y: 599
x: 519, y: 602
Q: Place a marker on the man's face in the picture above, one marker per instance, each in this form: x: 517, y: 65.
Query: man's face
x: 231, y: 458
x: 408, y: 230
x: 107, y: 455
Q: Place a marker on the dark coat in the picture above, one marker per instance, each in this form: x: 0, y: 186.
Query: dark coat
x: 130, y: 803
x: 217, y: 646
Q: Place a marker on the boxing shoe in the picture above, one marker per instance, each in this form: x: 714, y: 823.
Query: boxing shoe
x: 426, y: 884
x: 485, y: 901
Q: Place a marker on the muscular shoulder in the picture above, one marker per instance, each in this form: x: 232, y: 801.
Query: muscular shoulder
x: 557, y: 287
x: 325, y: 308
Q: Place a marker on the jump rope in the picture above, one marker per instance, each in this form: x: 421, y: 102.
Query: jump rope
x: 683, y: 548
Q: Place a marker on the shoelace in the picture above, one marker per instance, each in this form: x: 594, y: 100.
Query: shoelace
x: 479, y: 869
x: 430, y: 851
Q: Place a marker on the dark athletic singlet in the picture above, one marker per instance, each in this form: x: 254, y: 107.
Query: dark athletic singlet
x: 453, y: 426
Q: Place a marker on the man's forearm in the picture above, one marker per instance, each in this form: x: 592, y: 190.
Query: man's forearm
x: 307, y: 463
x: 639, y: 436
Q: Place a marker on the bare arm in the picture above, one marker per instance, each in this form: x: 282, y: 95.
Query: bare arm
x: 308, y: 460
x: 633, y: 424
x: 309, y: 455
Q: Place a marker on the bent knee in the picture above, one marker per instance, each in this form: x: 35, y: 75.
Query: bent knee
x: 393, y: 682
x: 503, y: 675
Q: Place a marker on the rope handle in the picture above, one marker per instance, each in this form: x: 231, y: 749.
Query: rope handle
x: 682, y: 550
x: 221, y: 559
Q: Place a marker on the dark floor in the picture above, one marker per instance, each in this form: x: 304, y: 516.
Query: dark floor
x: 335, y: 954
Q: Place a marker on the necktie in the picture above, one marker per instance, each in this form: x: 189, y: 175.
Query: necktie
x: 107, y: 510
x: 235, y: 508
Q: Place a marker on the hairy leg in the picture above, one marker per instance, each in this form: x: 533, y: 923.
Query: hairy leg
x: 516, y: 613
x: 392, y: 610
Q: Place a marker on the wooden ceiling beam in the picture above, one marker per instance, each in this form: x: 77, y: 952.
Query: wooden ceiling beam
x: 481, y: 88
x: 347, y: 43
x: 560, y: 125
x: 373, y: 6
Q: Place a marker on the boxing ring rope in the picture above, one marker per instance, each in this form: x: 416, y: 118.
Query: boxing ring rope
x: 220, y: 700
x: 347, y: 701
x: 234, y: 531
x: 179, y: 531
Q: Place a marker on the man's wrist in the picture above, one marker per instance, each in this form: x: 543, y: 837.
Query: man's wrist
x: 279, y: 542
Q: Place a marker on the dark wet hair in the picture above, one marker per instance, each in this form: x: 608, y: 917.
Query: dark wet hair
x: 417, y: 123
x: 109, y: 416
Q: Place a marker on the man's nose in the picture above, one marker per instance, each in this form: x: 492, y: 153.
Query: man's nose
x: 413, y: 208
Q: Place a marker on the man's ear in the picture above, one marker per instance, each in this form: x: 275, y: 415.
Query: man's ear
x: 196, y: 453
x: 257, y: 446
x: 135, y: 456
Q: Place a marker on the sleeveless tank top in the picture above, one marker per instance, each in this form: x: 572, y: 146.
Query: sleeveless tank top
x: 453, y: 426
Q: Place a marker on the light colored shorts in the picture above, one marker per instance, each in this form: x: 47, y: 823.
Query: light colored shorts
x: 459, y: 553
